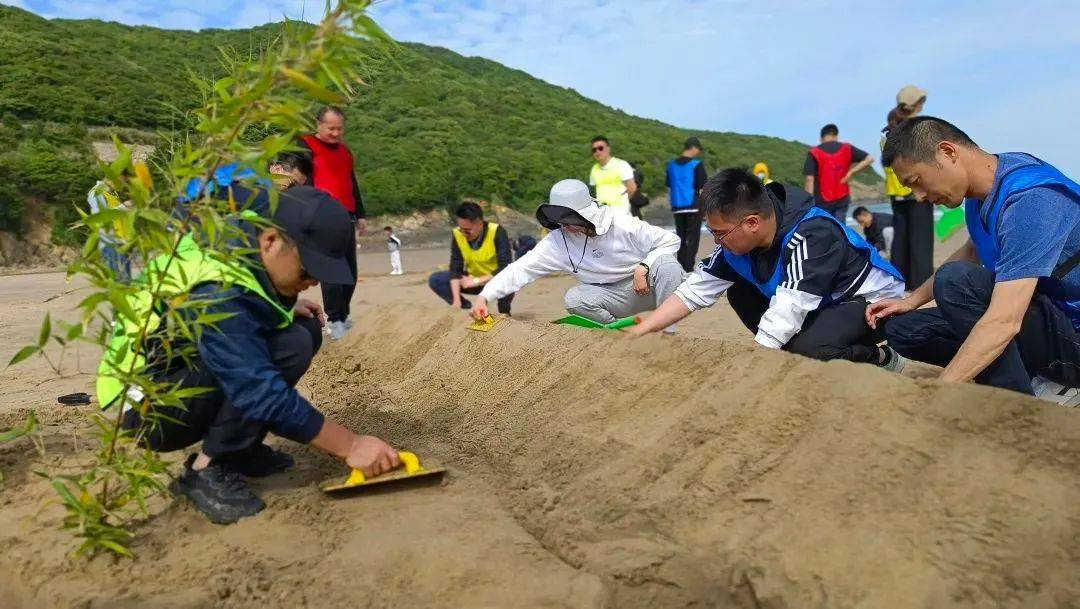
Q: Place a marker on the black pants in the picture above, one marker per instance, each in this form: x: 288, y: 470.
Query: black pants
x: 688, y: 228
x: 336, y: 297
x: 838, y: 208
x: 439, y: 282
x: 210, y: 417
x: 913, y: 240
x: 838, y: 331
x: 1047, y: 344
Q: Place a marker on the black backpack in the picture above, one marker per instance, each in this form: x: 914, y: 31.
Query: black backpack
x: 639, y: 199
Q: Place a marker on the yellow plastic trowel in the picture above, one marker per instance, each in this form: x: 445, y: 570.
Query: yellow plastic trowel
x: 486, y: 324
x: 410, y: 470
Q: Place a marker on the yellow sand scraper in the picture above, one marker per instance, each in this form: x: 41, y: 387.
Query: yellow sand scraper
x: 486, y: 324
x: 410, y: 470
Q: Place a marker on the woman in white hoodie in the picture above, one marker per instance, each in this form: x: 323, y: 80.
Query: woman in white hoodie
x: 625, y: 266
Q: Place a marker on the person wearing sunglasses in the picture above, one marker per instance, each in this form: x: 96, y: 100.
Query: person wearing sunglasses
x: 612, y: 178
x: 796, y: 276
x: 250, y: 360
x: 625, y: 266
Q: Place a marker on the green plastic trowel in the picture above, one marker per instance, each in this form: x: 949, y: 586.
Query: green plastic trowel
x: 585, y: 322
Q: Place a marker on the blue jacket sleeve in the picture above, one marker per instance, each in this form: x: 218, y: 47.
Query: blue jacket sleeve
x: 237, y: 353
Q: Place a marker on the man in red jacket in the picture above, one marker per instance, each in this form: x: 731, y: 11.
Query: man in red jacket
x: 333, y: 172
x: 828, y: 169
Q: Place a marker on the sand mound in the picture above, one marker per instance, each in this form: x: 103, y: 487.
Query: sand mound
x: 592, y: 471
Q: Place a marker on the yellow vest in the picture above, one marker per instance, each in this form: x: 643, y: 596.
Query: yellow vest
x: 190, y: 268
x: 610, y: 189
x: 481, y: 261
x: 893, y: 187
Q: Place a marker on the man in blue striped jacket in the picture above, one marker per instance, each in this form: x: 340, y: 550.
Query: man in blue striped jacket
x: 796, y: 276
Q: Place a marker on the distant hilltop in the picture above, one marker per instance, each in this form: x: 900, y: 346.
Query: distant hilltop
x: 433, y: 127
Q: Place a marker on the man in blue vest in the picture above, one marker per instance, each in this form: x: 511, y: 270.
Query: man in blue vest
x: 685, y: 177
x: 250, y: 360
x: 1008, y: 301
x: 796, y: 276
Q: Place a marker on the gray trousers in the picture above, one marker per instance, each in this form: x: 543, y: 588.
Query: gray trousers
x: 606, y: 302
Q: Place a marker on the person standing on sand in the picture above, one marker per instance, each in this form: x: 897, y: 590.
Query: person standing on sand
x: 829, y: 167
x: 1008, y: 301
x: 612, y: 178
x: 913, y: 222
x: 333, y: 171
x: 685, y: 177
x: 250, y: 359
x: 479, y: 251
x: 625, y: 266
x: 794, y: 274
x: 394, y: 245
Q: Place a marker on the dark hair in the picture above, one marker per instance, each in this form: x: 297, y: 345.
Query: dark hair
x: 917, y: 139
x: 860, y: 210
x: 601, y: 138
x: 735, y: 192
x: 830, y: 129
x: 469, y: 211
x: 295, y: 160
x: 388, y: 228
x: 321, y: 114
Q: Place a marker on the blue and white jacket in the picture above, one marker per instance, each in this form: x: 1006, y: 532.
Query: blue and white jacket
x: 814, y: 262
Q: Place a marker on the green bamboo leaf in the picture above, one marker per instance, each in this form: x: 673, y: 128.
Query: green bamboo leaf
x: 115, y: 547
x: 313, y: 88
x: 46, y: 330
x: 24, y: 353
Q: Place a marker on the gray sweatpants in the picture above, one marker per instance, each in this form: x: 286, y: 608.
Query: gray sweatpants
x: 606, y: 302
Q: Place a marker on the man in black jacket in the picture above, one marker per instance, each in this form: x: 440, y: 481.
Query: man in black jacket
x: 877, y: 228
x: 795, y: 275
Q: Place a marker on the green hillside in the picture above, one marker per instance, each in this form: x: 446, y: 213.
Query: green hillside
x: 433, y: 127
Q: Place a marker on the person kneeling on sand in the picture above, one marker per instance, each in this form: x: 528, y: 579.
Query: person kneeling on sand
x: 796, y: 276
x: 1007, y: 302
x: 625, y: 266
x: 249, y: 361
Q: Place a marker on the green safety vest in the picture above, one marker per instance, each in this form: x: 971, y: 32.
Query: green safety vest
x: 191, y: 268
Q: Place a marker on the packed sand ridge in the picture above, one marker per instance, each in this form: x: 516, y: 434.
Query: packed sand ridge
x: 588, y: 470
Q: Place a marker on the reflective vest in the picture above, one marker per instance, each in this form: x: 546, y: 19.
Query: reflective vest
x: 483, y: 260
x: 743, y: 265
x: 681, y: 182
x: 191, y: 268
x: 610, y: 189
x: 893, y: 187
x: 830, y: 169
x: 982, y: 224
x: 333, y: 170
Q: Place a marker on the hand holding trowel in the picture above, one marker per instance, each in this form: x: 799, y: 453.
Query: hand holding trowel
x: 384, y: 469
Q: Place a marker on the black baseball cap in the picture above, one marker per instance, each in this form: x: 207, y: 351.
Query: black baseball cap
x: 322, y: 230
x: 692, y: 142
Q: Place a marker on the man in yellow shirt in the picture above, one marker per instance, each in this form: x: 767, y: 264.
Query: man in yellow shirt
x: 612, y: 178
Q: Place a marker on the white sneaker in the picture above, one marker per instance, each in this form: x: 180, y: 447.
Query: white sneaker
x: 1048, y: 390
x: 894, y: 362
x: 337, y: 330
x: 397, y: 272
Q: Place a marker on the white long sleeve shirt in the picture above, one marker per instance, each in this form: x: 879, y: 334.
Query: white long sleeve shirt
x: 605, y: 258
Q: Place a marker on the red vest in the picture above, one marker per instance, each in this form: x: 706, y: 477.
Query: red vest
x: 333, y: 168
x: 830, y: 169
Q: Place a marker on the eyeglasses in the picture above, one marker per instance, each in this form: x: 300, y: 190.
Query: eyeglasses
x: 721, y: 236
x: 599, y: 148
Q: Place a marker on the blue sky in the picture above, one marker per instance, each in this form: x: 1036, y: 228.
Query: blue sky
x: 1007, y: 72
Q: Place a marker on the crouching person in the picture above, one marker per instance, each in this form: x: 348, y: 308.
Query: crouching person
x: 250, y: 361
x: 625, y: 266
x: 796, y: 276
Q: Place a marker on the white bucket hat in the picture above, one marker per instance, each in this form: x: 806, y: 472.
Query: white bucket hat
x: 569, y: 202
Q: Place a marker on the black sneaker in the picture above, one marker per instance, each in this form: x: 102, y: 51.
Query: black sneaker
x: 257, y: 462
x: 220, y: 494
